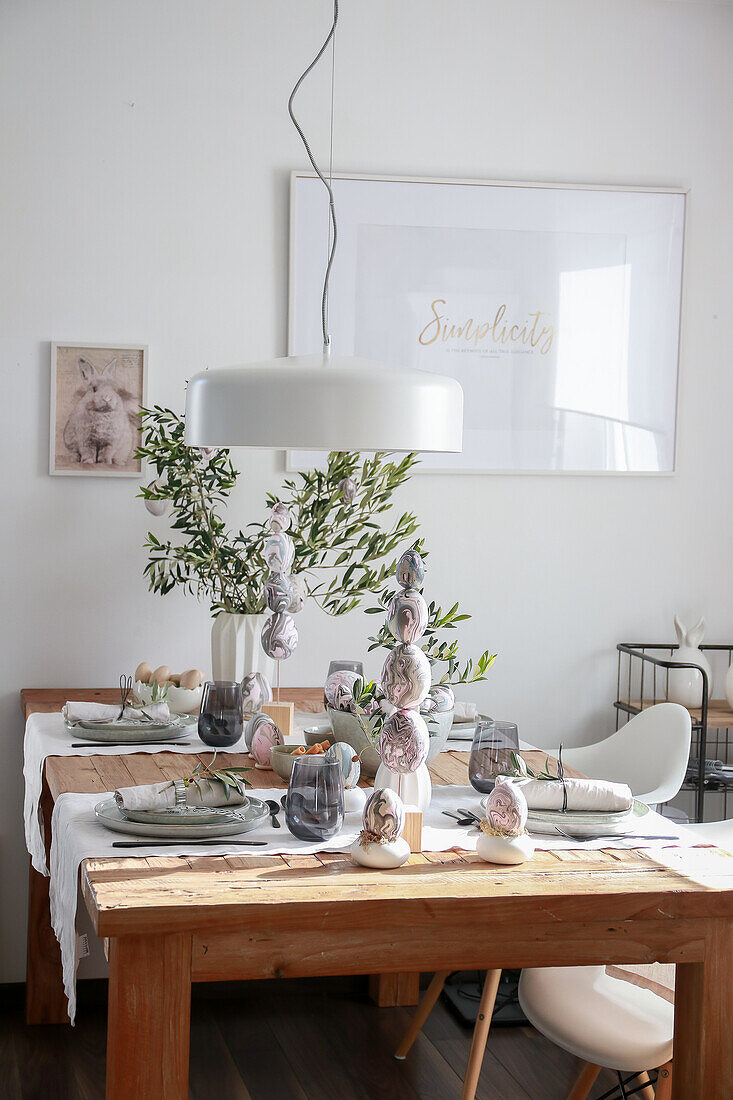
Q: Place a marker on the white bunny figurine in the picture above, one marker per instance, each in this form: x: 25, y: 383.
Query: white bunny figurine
x: 99, y: 430
x: 685, y: 684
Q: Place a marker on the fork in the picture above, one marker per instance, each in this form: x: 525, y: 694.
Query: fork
x: 612, y: 836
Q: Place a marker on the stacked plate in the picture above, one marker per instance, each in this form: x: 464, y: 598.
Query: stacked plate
x: 133, y: 731
x: 184, y: 823
x: 581, y: 823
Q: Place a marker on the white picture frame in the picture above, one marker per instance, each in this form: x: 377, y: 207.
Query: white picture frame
x: 96, y: 390
x: 599, y: 267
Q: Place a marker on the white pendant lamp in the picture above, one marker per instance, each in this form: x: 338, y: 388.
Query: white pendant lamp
x: 324, y: 402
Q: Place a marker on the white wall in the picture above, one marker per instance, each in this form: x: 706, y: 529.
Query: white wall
x: 144, y: 160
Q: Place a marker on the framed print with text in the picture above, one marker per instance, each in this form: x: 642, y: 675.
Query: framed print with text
x: 557, y: 308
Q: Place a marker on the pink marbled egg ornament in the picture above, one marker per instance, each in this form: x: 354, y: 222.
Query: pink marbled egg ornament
x: 265, y: 736
x: 256, y: 690
x: 405, y: 741
x: 280, y: 636
x: 405, y: 678
x: 407, y: 615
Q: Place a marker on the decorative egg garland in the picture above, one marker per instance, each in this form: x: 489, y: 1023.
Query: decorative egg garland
x: 283, y: 597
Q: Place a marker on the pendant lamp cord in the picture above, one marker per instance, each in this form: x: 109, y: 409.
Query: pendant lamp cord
x: 327, y: 183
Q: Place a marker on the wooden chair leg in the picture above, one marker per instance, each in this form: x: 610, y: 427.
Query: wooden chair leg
x: 664, y: 1082
x: 423, y: 1011
x: 584, y: 1084
x: 647, y: 1093
x: 480, y: 1034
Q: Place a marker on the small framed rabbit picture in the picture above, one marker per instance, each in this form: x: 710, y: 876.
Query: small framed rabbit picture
x: 96, y: 393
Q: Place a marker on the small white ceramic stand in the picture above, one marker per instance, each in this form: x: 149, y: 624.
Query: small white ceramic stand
x: 392, y: 854
x: 354, y: 799
x: 505, y: 849
x: 414, y: 788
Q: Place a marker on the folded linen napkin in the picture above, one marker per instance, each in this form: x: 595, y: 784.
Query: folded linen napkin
x: 465, y: 712
x: 582, y: 794
x: 161, y: 796
x: 104, y: 712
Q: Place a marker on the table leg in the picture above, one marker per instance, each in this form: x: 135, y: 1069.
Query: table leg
x: 392, y: 990
x: 45, y: 1000
x: 149, y: 1017
x: 703, y: 1053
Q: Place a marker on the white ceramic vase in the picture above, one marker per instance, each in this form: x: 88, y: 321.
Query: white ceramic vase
x: 236, y: 649
x: 414, y: 788
x: 685, y: 684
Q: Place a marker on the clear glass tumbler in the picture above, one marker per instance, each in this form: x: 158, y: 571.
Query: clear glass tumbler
x: 314, y: 809
x: 348, y: 666
x: 491, y: 753
x: 220, y: 717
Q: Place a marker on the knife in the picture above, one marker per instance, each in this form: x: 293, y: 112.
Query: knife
x: 182, y: 843
x: 121, y: 744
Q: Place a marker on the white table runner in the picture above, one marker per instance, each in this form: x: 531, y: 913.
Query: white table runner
x: 46, y: 735
x: 77, y: 835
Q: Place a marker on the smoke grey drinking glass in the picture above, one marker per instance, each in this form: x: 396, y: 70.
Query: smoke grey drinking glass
x: 491, y: 753
x: 314, y: 809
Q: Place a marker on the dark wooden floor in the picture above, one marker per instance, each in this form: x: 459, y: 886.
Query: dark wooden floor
x: 297, y: 1040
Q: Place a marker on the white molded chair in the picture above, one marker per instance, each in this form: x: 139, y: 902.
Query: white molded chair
x: 603, y: 1020
x: 650, y: 753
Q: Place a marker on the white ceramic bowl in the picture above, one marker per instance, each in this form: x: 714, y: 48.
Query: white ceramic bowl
x: 180, y: 700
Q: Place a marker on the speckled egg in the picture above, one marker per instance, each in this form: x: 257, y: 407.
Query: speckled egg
x: 506, y: 809
x: 278, y: 592
x: 405, y: 741
x: 349, y: 762
x: 440, y: 699
x: 348, y: 488
x: 256, y: 690
x: 279, y: 552
x: 257, y: 720
x: 279, y: 518
x: 407, y: 615
x: 265, y: 736
x: 384, y: 814
x: 339, y: 689
x: 405, y: 678
x: 300, y: 594
x: 410, y: 570
x: 280, y: 636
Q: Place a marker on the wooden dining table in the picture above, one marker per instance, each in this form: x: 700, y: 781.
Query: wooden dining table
x: 171, y: 921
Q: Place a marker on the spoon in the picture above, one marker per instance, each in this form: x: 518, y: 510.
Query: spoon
x: 274, y: 811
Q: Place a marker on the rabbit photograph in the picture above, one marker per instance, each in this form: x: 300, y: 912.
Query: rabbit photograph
x: 96, y: 392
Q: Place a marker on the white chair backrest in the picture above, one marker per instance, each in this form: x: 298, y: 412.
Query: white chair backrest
x: 650, y: 753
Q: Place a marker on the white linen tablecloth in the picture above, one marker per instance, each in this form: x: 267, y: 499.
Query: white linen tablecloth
x: 77, y: 835
x: 46, y: 735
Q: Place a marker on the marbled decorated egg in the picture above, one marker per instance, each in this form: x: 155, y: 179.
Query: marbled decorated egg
x: 407, y: 615
x: 339, y: 689
x: 348, y: 488
x: 410, y: 570
x: 384, y: 814
x: 279, y: 518
x: 279, y: 552
x: 207, y: 453
x: 280, y: 636
x: 405, y: 678
x: 157, y: 507
x: 349, y: 761
x: 405, y: 741
x: 265, y: 736
x: 440, y: 699
x: 300, y: 594
x: 278, y: 592
x: 256, y: 690
x: 257, y: 720
x: 506, y: 809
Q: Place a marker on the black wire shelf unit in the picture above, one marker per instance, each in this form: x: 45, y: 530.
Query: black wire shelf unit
x: 643, y: 680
